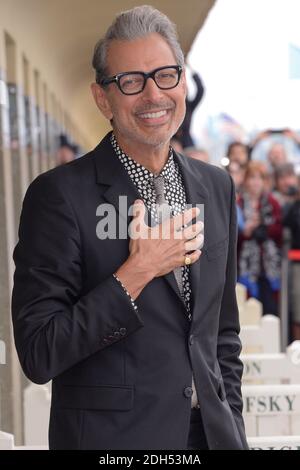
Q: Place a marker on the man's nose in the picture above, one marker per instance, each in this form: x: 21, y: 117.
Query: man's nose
x: 151, y: 90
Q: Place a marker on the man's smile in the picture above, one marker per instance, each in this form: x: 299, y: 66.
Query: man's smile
x: 151, y: 118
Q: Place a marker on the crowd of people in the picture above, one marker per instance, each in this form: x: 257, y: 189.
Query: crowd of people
x: 268, y: 212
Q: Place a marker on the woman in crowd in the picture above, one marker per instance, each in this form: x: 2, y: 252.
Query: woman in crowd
x: 259, y: 243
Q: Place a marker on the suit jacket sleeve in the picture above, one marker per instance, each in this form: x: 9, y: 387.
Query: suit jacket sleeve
x: 55, y: 325
x: 229, y: 344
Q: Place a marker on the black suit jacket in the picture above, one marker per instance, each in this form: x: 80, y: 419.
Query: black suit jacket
x: 121, y: 379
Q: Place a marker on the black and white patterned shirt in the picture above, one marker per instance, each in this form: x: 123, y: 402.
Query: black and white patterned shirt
x: 174, y: 193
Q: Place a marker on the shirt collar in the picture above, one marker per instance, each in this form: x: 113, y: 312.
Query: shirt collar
x: 169, y: 171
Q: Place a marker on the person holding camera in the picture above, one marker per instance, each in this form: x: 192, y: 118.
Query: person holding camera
x: 286, y: 186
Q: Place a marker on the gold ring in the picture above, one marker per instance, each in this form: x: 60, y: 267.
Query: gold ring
x: 187, y: 260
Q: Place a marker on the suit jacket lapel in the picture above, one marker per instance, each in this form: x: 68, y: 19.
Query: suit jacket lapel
x: 111, y: 174
x: 116, y: 182
x: 196, y: 193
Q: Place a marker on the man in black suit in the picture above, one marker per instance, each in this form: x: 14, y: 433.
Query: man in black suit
x: 139, y: 335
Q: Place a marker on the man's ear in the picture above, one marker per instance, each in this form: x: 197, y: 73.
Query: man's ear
x: 184, y: 84
x: 101, y: 100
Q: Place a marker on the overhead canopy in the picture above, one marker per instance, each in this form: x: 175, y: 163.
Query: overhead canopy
x: 58, y: 37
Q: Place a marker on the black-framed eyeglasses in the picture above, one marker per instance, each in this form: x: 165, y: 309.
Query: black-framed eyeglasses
x: 132, y: 83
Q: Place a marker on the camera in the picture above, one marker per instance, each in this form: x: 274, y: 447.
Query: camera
x: 292, y: 191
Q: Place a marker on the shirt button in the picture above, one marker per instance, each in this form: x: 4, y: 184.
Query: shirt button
x: 188, y: 392
x: 123, y: 331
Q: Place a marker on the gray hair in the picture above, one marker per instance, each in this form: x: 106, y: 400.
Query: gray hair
x: 133, y: 24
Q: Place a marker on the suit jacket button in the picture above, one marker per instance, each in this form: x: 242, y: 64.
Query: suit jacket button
x: 191, y: 339
x: 117, y: 334
x: 123, y: 331
x: 188, y: 392
x: 105, y: 341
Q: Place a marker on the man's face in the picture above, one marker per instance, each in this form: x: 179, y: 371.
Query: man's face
x: 287, y: 181
x: 255, y: 184
x: 237, y: 173
x: 277, y: 155
x: 239, y: 154
x: 153, y: 116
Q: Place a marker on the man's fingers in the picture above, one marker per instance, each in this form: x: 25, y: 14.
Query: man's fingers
x: 138, y: 210
x: 194, y: 244
x: 185, y: 217
x: 193, y: 230
x: 137, y: 225
x: 193, y: 257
